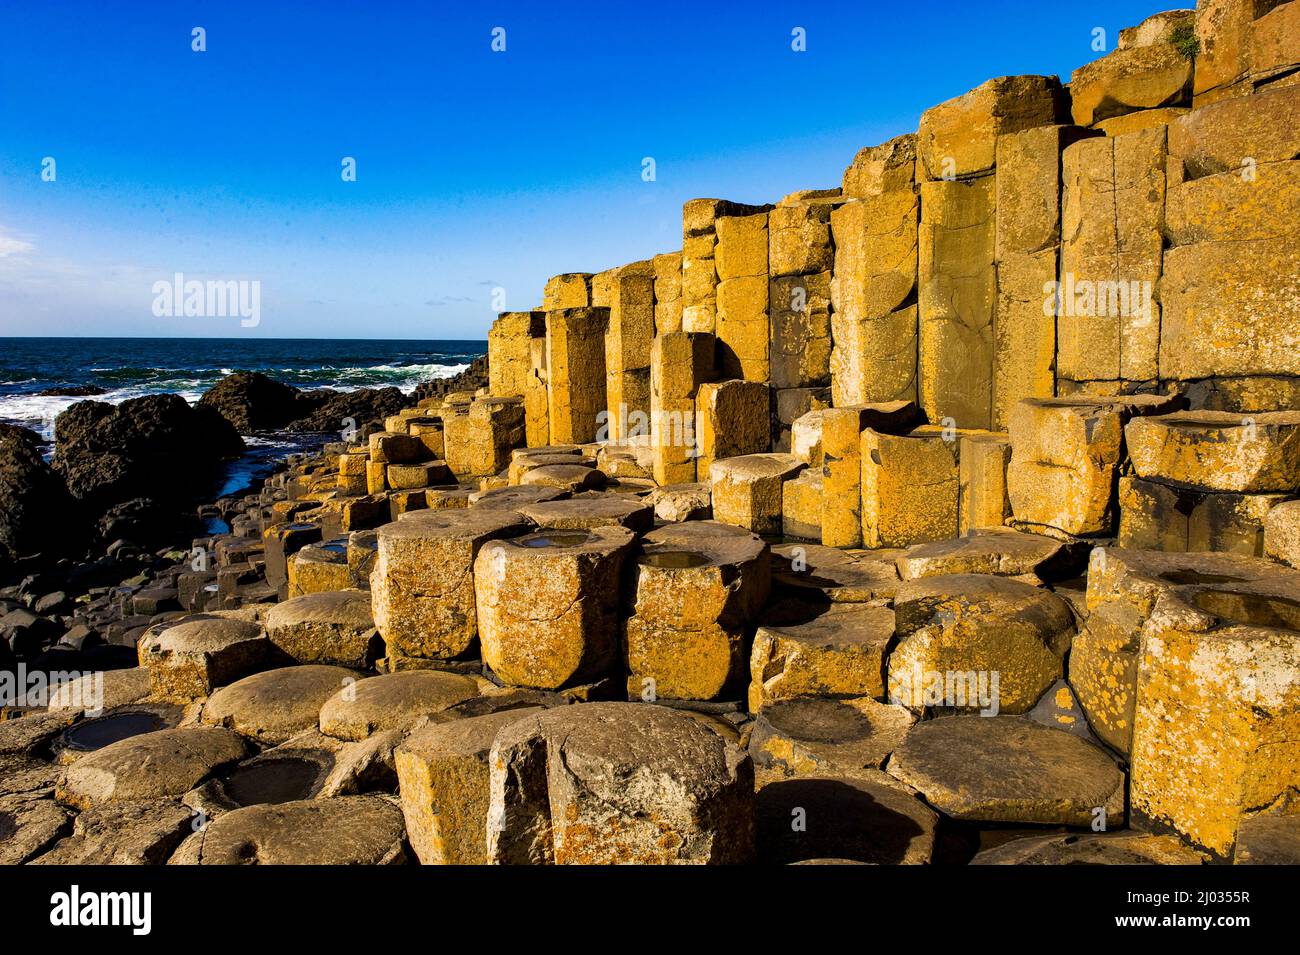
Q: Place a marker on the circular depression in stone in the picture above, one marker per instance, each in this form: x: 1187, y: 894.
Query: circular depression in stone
x: 93, y: 734
x: 273, y: 781
x: 1249, y: 609
x: 555, y: 539
x: 1187, y: 577
x: 818, y: 720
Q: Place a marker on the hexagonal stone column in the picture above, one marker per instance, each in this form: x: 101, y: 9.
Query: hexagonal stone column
x: 331, y: 627
x: 747, y: 489
x: 618, y: 782
x: 188, y: 660
x: 699, y: 585
x: 838, y: 650
x: 974, y: 642
x: 444, y: 776
x: 548, y: 605
x: 423, y: 582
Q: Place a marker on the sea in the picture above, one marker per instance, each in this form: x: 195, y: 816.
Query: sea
x: 132, y: 367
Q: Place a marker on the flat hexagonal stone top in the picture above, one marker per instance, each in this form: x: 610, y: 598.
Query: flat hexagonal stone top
x: 275, y: 705
x: 1214, y: 590
x: 102, y: 690
x: 830, y: 626
x: 1218, y: 450
x: 589, y: 510
x: 343, y: 608
x: 347, y: 830
x: 754, y: 467
x: 123, y: 833
x: 168, y: 762
x: 514, y: 498
x: 868, y: 818
x: 842, y: 577
x: 21, y: 736
x: 1118, y: 848
x: 998, y: 551
x: 818, y: 734
x: 454, y: 524
x: 202, y: 634
x: 714, y: 542
x: 980, y: 596
x: 561, y: 449
x: 29, y: 827
x: 392, y: 700
x: 570, y: 477
x: 1009, y: 769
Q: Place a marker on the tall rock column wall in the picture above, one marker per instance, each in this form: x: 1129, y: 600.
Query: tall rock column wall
x: 873, y: 288
x: 958, y: 282
x: 631, y: 298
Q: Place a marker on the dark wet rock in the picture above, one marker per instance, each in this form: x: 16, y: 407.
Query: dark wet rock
x: 335, y: 408
x: 36, y: 512
x: 252, y: 402
x: 149, y: 456
x: 73, y: 391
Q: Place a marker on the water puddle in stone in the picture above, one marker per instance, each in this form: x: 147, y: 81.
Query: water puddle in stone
x: 1251, y: 610
x: 97, y: 733
x: 572, y: 539
x: 1197, y: 577
x: 673, y: 559
x: 273, y: 781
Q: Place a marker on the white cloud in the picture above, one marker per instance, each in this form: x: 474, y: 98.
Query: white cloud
x: 11, y: 245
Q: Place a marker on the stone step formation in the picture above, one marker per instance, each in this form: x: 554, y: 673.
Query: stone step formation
x: 950, y: 515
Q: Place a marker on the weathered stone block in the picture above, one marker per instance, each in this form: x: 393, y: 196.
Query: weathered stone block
x: 731, y: 418
x: 668, y: 292
x: 548, y: 605
x: 1012, y: 636
x: 909, y: 486
x: 876, y: 170
x: 423, y: 583
x: 982, y: 481
x: 801, y: 342
x: 742, y: 305
x: 575, y: 363
x: 628, y: 339
x: 958, y: 138
x: 680, y: 362
x: 188, y: 660
x: 801, y: 506
x: 1134, y: 78
x: 1109, y: 323
x: 559, y: 792
x: 443, y: 774
x: 571, y: 290
x: 839, y: 652
x: 799, y: 237
x: 957, y: 297
x: 747, y: 489
x: 699, y: 586
x: 510, y: 343
x: 1065, y: 458
x: 1218, y: 451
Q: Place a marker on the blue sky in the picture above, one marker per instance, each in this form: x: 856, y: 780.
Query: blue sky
x: 475, y: 170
